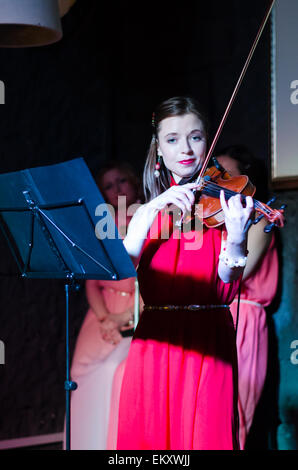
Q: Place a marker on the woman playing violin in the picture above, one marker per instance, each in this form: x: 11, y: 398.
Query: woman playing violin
x: 179, y: 389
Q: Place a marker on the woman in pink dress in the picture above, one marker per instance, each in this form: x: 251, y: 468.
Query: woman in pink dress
x: 100, y: 346
x: 179, y: 389
x: 258, y: 289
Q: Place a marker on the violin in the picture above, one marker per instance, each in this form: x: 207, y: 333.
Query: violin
x: 215, y: 179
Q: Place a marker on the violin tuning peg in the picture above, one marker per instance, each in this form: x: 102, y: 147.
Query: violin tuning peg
x: 281, y: 209
x: 271, y: 200
x: 268, y: 228
x: 258, y: 219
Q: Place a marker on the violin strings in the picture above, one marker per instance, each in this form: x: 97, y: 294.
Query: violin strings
x: 214, y: 189
x: 228, y: 192
x: 217, y: 188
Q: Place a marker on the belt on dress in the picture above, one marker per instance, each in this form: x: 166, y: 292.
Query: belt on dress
x: 246, y: 301
x: 184, y: 307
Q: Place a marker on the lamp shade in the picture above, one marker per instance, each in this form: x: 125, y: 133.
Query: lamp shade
x: 65, y: 6
x: 28, y: 23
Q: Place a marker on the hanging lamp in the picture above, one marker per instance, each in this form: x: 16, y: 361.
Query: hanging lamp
x: 29, y: 23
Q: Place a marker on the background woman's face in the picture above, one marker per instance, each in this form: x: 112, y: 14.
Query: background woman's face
x: 116, y: 183
x: 229, y: 164
x: 182, y: 144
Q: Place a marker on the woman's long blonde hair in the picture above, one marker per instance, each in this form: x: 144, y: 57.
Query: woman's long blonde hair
x: 177, y: 106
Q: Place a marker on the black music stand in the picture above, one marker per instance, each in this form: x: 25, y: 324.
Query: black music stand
x: 48, y: 216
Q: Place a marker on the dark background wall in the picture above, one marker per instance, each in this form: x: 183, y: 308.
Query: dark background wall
x: 92, y: 95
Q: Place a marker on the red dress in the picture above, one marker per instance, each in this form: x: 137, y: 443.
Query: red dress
x: 179, y: 389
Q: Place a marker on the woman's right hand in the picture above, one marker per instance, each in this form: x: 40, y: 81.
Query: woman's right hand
x: 179, y: 196
x: 113, y: 323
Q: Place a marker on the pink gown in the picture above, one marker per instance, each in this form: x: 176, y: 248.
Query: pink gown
x: 114, y: 408
x: 93, y: 366
x: 257, y: 292
x: 179, y: 389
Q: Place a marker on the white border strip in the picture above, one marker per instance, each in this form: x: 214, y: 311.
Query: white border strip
x: 31, y: 441
x: 273, y: 94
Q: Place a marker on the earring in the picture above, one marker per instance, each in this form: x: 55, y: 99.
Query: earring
x: 157, y: 167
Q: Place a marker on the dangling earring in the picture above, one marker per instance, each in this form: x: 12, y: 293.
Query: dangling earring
x: 157, y: 167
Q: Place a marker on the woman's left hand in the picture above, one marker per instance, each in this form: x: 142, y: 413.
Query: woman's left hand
x: 237, y: 217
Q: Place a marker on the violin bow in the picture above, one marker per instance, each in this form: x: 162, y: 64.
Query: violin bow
x: 236, y: 89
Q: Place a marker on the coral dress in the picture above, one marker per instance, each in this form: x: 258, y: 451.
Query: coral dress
x: 179, y: 389
x: 257, y: 292
x: 93, y: 366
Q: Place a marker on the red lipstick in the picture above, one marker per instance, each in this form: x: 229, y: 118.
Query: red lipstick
x: 187, y: 162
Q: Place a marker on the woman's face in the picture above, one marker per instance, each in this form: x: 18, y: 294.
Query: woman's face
x: 116, y: 183
x: 182, y: 144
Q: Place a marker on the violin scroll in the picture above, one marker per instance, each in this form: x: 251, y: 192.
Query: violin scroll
x: 277, y: 217
x: 274, y: 216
